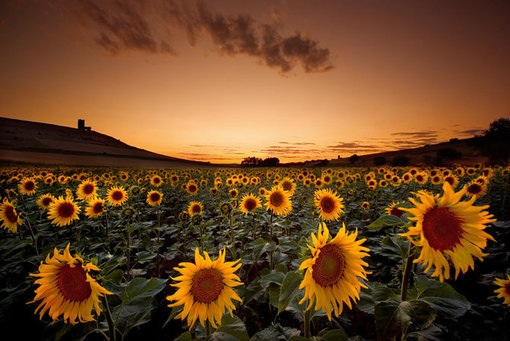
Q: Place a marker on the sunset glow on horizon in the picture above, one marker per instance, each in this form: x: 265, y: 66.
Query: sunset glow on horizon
x: 220, y: 81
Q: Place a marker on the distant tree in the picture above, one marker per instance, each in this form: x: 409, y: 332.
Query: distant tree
x: 400, y: 161
x: 495, y: 143
x: 379, y: 161
x: 270, y: 162
x: 353, y: 158
x: 251, y: 161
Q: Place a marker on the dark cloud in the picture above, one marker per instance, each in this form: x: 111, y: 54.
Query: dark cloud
x: 354, y: 147
x: 130, y: 25
x: 122, y: 25
x: 471, y: 132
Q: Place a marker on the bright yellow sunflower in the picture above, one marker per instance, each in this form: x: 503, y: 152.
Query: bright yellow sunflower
x: 27, y: 186
x: 116, y: 196
x: 195, y: 207
x: 288, y: 185
x: 191, y: 187
x: 332, y: 274
x: 95, y: 208
x: 63, y: 212
x: 154, y: 198
x: 328, y: 203
x: 504, y: 289
x: 278, y: 201
x: 394, y: 209
x: 156, y: 180
x: 448, y: 230
x: 249, y: 203
x: 9, y: 217
x: 66, y: 288
x: 86, y: 190
x: 205, y: 289
x: 45, y: 200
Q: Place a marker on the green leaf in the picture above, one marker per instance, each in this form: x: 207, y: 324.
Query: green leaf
x: 391, y: 318
x: 397, y: 245
x: 289, y: 289
x: 141, y: 288
x: 385, y: 220
x: 441, y: 296
x: 275, y: 277
x: 231, y: 328
x: 333, y: 335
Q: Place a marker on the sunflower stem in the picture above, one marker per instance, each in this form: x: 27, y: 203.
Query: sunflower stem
x: 407, y: 273
x: 109, y: 320
x: 306, y: 325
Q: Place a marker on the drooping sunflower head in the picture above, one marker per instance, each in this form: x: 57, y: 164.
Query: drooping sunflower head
x: 394, y: 209
x: 154, y: 198
x: 503, y: 289
x: 333, y: 272
x: 116, y: 196
x: 328, y: 203
x: 205, y: 289
x: 10, y: 218
x: 278, y: 201
x: 63, y: 211
x: 67, y: 289
x: 249, y: 202
x: 448, y: 230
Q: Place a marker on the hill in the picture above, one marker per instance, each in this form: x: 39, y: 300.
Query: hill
x: 42, y: 143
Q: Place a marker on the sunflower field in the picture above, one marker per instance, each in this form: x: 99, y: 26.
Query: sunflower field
x: 380, y: 253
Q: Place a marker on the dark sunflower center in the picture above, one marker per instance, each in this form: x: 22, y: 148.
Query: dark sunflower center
x: 396, y: 212
x: 155, y: 197
x: 474, y: 188
x: 98, y: 207
x: 156, y: 180
x: 287, y: 186
x: 46, y: 201
x: 65, y: 210
x: 29, y: 186
x: 507, y: 288
x: 10, y: 214
x: 206, y: 285
x: 117, y: 195
x: 276, y: 199
x: 327, y: 204
x: 329, y: 266
x: 250, y: 204
x: 72, y: 283
x: 441, y: 228
x: 88, y: 189
x: 192, y: 188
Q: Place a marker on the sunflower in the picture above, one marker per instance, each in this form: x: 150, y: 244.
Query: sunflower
x: 86, y: 190
x: 332, y: 273
x: 63, y: 212
x: 448, y: 230
x: 249, y: 203
x: 394, y: 209
x: 191, y: 187
x: 154, y: 198
x: 45, y: 200
x: 474, y: 188
x: 9, y: 217
x: 116, y: 196
x: 328, y: 203
x: 504, y: 289
x: 205, y: 289
x: 156, y: 180
x: 95, y: 208
x: 66, y: 288
x: 195, y: 207
x: 278, y: 201
x: 27, y: 186
x: 288, y: 185
x: 365, y: 205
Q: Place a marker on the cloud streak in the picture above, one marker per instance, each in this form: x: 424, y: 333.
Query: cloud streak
x: 148, y: 27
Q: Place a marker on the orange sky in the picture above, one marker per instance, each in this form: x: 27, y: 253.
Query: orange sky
x: 223, y: 80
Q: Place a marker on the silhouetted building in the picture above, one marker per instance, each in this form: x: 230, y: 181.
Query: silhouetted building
x: 81, y: 125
